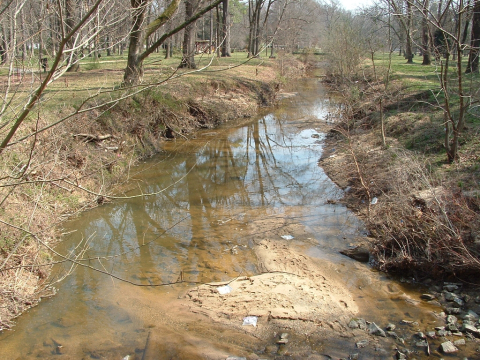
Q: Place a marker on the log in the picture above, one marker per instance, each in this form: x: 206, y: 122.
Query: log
x: 91, y: 137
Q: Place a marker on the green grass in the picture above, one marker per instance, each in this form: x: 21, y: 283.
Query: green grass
x: 414, y: 113
x: 106, y: 73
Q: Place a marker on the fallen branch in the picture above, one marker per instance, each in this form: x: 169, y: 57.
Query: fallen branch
x: 91, y: 137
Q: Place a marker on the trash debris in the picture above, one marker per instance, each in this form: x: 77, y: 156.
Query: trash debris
x: 250, y: 320
x: 126, y: 357
x: 287, y: 237
x: 221, y: 222
x: 227, y: 289
x: 233, y: 250
x: 374, y: 201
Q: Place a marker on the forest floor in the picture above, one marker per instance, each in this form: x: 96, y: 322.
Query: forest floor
x: 81, y: 140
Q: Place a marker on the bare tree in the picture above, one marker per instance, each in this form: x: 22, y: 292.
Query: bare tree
x: 140, y: 31
x: 472, y: 66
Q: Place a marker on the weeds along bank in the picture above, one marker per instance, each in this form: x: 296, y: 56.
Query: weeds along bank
x: 389, y: 153
x: 76, y: 164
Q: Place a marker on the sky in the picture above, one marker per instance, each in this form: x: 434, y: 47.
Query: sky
x: 353, y: 4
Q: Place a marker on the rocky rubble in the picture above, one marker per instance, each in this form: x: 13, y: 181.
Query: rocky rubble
x: 459, y: 333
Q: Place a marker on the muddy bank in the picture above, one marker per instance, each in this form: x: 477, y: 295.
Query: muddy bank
x: 80, y: 163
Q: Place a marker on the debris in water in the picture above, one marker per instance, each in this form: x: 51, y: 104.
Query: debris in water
x: 287, y: 237
x: 250, y: 320
x: 374, y: 201
x: 227, y: 289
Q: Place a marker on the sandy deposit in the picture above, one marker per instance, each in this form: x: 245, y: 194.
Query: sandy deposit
x: 292, y: 288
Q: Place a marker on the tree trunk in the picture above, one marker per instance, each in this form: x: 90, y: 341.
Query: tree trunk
x: 211, y: 42
x: 426, y: 41
x: 226, y: 51
x: 167, y: 49
x: 472, y: 66
x: 188, y: 59
x: 467, y: 24
x: 408, y: 44
x: 134, y: 71
x: 73, y: 64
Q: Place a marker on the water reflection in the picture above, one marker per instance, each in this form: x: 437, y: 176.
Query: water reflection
x: 208, y: 189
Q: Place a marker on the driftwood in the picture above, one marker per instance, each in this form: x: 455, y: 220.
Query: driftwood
x: 91, y: 137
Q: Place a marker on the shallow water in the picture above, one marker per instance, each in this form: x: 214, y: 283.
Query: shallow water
x: 207, y: 191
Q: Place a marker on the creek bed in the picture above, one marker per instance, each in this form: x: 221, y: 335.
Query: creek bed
x: 217, y: 199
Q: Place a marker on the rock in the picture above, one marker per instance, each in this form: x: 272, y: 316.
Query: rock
x: 442, y: 333
x: 428, y: 297
x: 450, y: 287
x: 353, y: 324
x: 451, y: 319
x: 390, y: 327
x: 354, y: 356
x: 422, y: 343
x: 459, y: 342
x: 452, y: 310
x: 392, y: 334
x: 362, y: 343
x: 236, y: 358
x: 451, y: 327
x: 466, y: 298
x: 449, y: 296
x: 283, y: 339
x: 458, y: 301
x: 375, y: 330
x: 421, y: 335
x: 447, y: 347
x: 471, y: 330
x: 360, y: 253
x: 471, y: 315
x: 431, y: 334
x: 362, y: 324
x: 400, y: 356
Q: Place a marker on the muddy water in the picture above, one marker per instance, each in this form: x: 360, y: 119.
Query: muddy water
x: 207, y: 191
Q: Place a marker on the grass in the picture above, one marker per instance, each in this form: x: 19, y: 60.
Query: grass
x: 414, y: 117
x: 101, y: 79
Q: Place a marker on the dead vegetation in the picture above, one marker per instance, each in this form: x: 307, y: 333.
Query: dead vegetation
x: 422, y: 212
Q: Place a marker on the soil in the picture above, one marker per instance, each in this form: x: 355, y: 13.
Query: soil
x: 292, y: 287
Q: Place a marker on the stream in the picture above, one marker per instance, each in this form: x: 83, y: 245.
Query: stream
x: 194, y: 230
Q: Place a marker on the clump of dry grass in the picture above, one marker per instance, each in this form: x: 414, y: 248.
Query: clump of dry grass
x: 423, y: 226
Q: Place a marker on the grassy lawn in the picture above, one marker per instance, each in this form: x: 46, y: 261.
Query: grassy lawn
x: 414, y: 113
x: 101, y: 78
